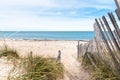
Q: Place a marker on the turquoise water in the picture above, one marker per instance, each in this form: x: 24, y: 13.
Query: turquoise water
x: 48, y: 35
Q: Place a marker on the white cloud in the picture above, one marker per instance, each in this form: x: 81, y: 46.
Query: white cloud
x: 26, y: 14
x: 85, y: 3
x: 105, y: 1
x: 58, y: 13
x: 43, y: 3
x: 59, y: 3
x: 24, y: 22
x: 73, y: 12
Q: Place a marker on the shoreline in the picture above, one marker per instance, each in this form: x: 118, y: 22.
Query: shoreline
x: 39, y: 39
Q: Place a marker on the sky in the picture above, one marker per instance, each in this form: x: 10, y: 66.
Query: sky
x: 52, y: 15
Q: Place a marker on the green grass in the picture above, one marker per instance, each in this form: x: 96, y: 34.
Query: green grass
x: 105, y: 73
x: 103, y: 70
x: 32, y: 68
x: 8, y: 52
x: 39, y: 68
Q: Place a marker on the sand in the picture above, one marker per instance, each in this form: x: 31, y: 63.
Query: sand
x: 73, y: 68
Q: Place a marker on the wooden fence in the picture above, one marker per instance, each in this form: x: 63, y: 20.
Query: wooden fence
x: 106, y: 43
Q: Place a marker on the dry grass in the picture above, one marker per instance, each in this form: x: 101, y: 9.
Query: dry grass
x: 31, y: 68
x: 103, y: 70
x: 38, y: 68
x: 8, y: 52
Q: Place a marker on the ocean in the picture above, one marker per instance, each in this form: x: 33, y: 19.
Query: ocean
x: 48, y: 35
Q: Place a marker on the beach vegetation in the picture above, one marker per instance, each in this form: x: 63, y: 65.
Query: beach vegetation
x: 102, y: 71
x: 10, y: 53
x: 38, y: 68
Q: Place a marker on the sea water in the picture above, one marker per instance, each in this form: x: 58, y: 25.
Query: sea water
x: 48, y: 35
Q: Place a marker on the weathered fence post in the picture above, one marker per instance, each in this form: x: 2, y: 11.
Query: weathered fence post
x: 107, y: 36
x: 30, y: 62
x: 78, y: 50
x: 116, y: 64
x: 111, y: 34
x: 112, y: 18
x: 118, y: 8
x: 117, y: 3
x: 58, y: 59
x: 117, y: 30
x: 91, y: 60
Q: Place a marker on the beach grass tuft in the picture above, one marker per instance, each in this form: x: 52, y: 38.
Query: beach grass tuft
x: 39, y: 68
x: 8, y: 52
x: 105, y: 73
x: 103, y: 70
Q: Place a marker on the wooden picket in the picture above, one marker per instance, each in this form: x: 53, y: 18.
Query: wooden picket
x: 107, y: 42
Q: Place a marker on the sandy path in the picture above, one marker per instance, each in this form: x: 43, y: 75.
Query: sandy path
x: 73, y: 69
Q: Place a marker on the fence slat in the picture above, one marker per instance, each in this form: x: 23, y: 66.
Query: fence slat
x: 78, y: 50
x: 118, y: 13
x: 116, y: 64
x: 117, y: 3
x: 91, y: 60
x: 117, y: 30
x: 111, y: 34
x: 107, y: 37
x: 97, y: 40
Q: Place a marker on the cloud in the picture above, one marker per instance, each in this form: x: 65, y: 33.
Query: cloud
x: 24, y: 22
x: 43, y: 3
x: 59, y: 3
x: 73, y: 12
x: 98, y: 4
x: 52, y: 14
x: 105, y: 1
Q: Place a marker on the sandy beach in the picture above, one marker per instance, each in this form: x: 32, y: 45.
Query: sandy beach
x: 73, y: 69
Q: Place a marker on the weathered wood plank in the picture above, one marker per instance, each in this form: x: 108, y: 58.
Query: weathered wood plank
x: 107, y: 37
x: 85, y: 52
x: 58, y: 59
x: 103, y: 36
x: 117, y: 3
x: 102, y: 47
x: 109, y: 49
x: 78, y: 50
x: 112, y: 18
x: 111, y: 34
x: 118, y: 13
x: 97, y: 40
x: 91, y: 60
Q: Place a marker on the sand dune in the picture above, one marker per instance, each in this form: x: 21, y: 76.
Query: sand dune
x: 73, y: 69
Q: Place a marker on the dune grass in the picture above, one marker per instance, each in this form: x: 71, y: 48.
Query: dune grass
x: 8, y: 52
x: 105, y: 73
x: 103, y: 70
x: 31, y: 68
x: 38, y: 68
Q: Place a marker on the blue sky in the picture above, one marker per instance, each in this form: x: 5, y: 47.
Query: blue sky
x: 52, y: 15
